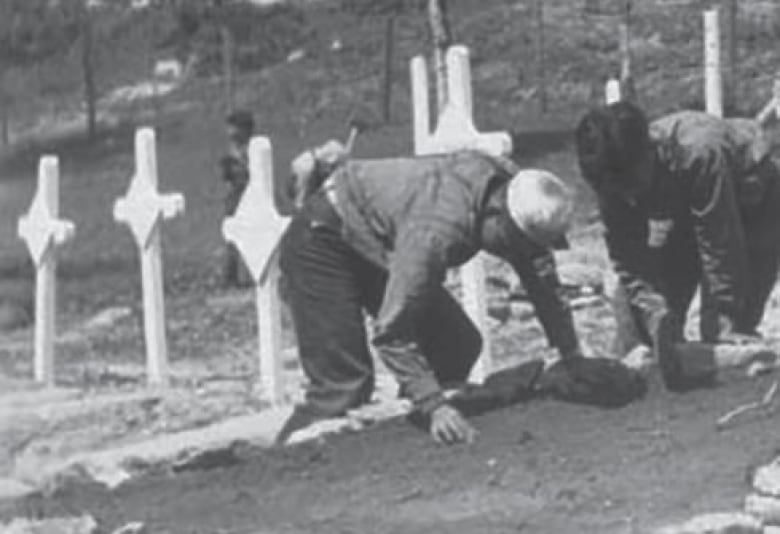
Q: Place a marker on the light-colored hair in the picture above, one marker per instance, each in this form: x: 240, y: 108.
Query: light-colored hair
x: 541, y: 205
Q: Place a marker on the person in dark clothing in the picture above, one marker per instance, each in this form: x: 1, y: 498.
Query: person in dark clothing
x: 688, y: 200
x: 234, y: 167
x: 378, y: 237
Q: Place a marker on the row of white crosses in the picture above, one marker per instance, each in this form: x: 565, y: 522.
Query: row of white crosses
x: 141, y: 209
x: 455, y: 130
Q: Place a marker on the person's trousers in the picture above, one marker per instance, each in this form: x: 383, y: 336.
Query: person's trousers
x: 329, y: 288
x: 682, y: 274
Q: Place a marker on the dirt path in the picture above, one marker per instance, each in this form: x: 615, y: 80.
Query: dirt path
x: 540, y: 468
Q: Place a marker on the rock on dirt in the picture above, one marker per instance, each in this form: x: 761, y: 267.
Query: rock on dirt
x: 135, y: 527
x: 765, y: 508
x: 79, y: 525
x: 720, y: 523
x: 13, y: 489
x: 767, y: 479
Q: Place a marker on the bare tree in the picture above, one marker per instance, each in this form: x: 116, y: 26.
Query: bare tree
x: 441, y: 37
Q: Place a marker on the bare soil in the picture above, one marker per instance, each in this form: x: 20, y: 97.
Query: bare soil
x: 537, y: 468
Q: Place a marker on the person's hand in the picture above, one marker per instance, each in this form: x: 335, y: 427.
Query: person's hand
x: 449, y: 426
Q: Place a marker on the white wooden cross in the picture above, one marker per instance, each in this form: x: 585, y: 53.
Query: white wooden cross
x: 141, y: 209
x: 256, y: 229
x: 43, y: 232
x: 612, y: 91
x: 713, y: 83
x: 455, y: 130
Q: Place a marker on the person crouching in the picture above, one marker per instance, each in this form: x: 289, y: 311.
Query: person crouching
x: 378, y: 237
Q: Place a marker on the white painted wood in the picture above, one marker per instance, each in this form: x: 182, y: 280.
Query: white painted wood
x: 256, y: 229
x: 612, y: 91
x: 420, y: 104
x: 43, y: 232
x: 141, y: 209
x: 713, y: 83
x: 455, y: 130
x: 472, y: 276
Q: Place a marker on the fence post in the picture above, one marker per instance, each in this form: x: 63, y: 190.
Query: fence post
x: 713, y: 83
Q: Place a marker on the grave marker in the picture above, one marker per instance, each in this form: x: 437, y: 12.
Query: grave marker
x: 44, y: 232
x: 612, y: 91
x: 141, y: 209
x: 455, y: 130
x: 256, y: 229
x: 713, y: 83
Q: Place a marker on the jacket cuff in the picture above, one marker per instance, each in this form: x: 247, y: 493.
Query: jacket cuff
x: 428, y: 404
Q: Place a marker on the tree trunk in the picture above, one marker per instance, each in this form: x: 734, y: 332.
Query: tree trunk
x: 540, y: 53
x: 729, y: 10
x: 88, y: 67
x: 627, y: 87
x: 388, y: 78
x: 441, y: 39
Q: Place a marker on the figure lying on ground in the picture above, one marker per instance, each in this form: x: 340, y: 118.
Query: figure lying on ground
x: 689, y: 200
x: 378, y: 236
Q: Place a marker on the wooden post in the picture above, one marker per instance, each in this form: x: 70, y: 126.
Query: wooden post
x: 612, y: 91
x: 256, y: 229
x: 628, y: 89
x: 421, y: 122
x: 141, y: 209
x: 540, y: 55
x: 713, y: 84
x: 730, y: 9
x: 441, y: 39
x: 44, y: 232
x: 388, y: 74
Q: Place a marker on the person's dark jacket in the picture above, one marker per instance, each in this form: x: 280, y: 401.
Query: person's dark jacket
x: 703, y: 180
x: 234, y: 170
x: 416, y: 217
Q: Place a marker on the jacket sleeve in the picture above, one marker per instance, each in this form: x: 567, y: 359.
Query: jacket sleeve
x: 633, y: 262
x: 535, y: 266
x: 721, y: 242
x: 416, y: 269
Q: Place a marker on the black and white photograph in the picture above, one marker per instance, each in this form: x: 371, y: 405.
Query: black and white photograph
x: 389, y: 266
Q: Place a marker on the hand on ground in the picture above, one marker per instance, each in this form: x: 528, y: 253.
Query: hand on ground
x: 449, y: 426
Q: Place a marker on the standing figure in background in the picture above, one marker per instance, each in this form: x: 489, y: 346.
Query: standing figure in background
x: 234, y: 168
